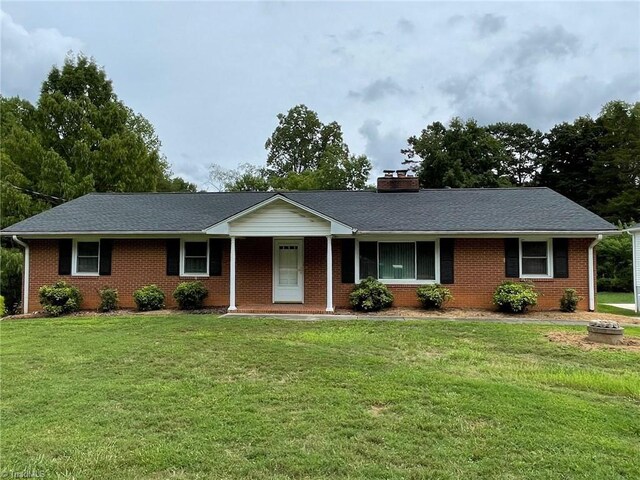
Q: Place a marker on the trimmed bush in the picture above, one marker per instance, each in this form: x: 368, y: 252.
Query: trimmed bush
x: 190, y: 295
x: 515, y: 297
x: 433, y: 296
x: 60, y: 298
x: 569, y: 300
x: 149, y: 297
x: 108, y: 299
x: 370, y: 295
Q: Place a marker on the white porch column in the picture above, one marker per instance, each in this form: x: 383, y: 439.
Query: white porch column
x: 232, y: 276
x: 329, y: 275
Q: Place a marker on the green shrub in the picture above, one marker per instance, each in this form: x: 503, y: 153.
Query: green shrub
x: 569, y: 300
x: 433, y: 296
x: 148, y: 298
x: 370, y: 296
x: 190, y: 295
x: 515, y: 297
x: 3, y: 312
x: 108, y: 299
x: 60, y: 298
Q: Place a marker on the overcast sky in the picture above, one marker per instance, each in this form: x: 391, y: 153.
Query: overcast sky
x: 212, y: 77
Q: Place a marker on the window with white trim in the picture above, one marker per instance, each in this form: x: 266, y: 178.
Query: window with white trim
x: 535, y: 258
x: 398, y: 262
x: 195, y: 258
x: 86, y: 258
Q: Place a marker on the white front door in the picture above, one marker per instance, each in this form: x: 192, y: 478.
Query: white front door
x: 288, y: 271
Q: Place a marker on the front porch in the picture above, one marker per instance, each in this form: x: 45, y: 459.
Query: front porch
x: 280, y: 257
x: 281, y: 275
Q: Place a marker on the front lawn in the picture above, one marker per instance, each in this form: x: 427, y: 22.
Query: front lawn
x: 188, y: 396
x: 615, y: 297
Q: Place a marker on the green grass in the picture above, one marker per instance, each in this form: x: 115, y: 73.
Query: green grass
x: 615, y: 297
x: 190, y: 396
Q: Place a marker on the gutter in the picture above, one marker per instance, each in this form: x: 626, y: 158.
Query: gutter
x: 25, y: 274
x: 591, y: 274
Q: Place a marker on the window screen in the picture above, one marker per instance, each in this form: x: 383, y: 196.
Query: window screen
x: 534, y: 258
x: 195, y: 257
x: 87, y: 259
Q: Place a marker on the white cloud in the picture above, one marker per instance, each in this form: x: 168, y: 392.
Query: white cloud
x: 27, y: 56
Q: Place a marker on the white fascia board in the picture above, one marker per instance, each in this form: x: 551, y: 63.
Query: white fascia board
x: 222, y: 227
x: 494, y: 234
x: 105, y: 234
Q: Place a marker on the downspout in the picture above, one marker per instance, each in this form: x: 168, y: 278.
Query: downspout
x: 591, y: 275
x: 635, y: 266
x: 25, y: 274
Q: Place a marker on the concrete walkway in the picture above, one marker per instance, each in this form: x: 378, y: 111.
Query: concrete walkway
x: 625, y: 306
x: 313, y: 318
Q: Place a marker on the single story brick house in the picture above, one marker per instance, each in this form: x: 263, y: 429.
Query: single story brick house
x: 304, y: 251
x: 635, y: 246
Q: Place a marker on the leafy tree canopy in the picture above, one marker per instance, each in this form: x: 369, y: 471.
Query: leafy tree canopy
x: 462, y: 154
x: 78, y: 138
x: 593, y: 161
x: 302, y: 154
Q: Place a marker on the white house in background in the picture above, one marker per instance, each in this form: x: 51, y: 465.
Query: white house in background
x: 635, y: 246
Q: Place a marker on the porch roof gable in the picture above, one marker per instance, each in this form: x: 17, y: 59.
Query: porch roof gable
x: 279, y: 216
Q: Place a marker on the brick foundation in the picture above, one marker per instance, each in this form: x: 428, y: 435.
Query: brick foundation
x: 479, y: 268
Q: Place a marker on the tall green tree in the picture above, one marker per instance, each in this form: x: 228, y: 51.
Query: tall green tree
x: 462, y: 154
x: 568, y: 159
x: 302, y: 154
x: 615, y: 171
x: 523, y: 147
x: 78, y: 138
x: 305, y: 154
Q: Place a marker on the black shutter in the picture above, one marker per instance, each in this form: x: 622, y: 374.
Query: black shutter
x: 348, y: 260
x: 447, y: 246
x: 426, y: 260
x: 173, y: 256
x: 368, y: 259
x: 511, y: 257
x: 64, y: 256
x: 561, y: 258
x: 216, y: 252
x: 105, y: 256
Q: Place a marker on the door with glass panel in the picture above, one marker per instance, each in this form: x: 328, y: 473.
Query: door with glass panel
x: 288, y: 271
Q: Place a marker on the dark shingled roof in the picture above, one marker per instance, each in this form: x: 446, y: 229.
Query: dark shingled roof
x: 441, y: 210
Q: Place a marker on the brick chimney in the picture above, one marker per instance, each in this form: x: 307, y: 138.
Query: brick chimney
x: 400, y: 182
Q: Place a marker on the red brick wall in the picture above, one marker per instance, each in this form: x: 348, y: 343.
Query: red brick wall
x: 134, y: 263
x: 479, y: 268
x: 254, y: 274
